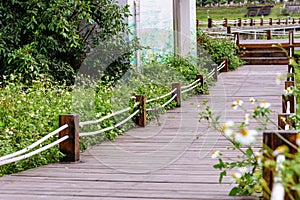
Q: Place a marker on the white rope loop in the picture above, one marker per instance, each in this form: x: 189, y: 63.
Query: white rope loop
x: 221, y: 66
x: 190, y: 85
x: 163, y: 105
x: 161, y: 97
x: 44, y: 148
x: 189, y: 89
x: 33, y: 145
x: 111, y: 127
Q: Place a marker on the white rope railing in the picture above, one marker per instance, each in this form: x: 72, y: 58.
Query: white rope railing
x: 161, y: 97
x: 190, y: 85
x: 211, y: 74
x: 163, y: 105
x: 111, y: 127
x: 44, y: 148
x: 189, y: 89
x: 81, y: 124
x: 33, y: 145
x: 221, y: 66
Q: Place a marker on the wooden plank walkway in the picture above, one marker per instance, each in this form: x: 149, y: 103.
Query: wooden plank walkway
x: 156, y: 162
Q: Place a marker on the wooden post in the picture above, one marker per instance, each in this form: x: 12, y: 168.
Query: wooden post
x: 140, y: 120
x: 225, y: 68
x: 209, y: 23
x: 199, y: 76
x: 228, y: 29
x: 291, y: 43
x: 291, y: 99
x: 291, y: 68
x: 177, y: 92
x: 283, y: 120
x: 293, y: 21
x: 261, y: 21
x: 269, y: 34
x: 251, y: 22
x: 197, y: 24
x: 278, y: 21
x: 290, y: 77
x: 271, y: 140
x: 70, y: 147
x: 270, y: 21
x: 225, y: 22
x: 215, y: 68
x: 237, y: 38
x: 286, y: 21
x: 239, y: 22
x: 289, y: 84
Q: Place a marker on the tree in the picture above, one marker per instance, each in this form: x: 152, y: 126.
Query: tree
x: 53, y: 37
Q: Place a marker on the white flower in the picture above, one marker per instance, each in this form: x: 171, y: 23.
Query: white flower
x: 243, y: 170
x: 246, y: 137
x: 215, y: 154
x: 236, y: 177
x: 264, y: 104
x: 227, y: 128
x: 252, y: 100
x: 236, y: 104
x: 246, y: 119
x: 280, y: 150
x: 258, y: 157
x: 289, y: 90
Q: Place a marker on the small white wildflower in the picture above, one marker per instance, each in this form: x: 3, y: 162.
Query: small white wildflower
x: 247, y: 119
x: 227, y: 128
x: 264, y: 104
x: 252, y: 100
x: 236, y: 104
x: 246, y: 137
x: 215, y: 154
x: 289, y: 90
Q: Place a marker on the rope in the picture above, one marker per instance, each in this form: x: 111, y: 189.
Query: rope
x: 81, y: 124
x: 7, y: 161
x: 221, y: 66
x: 163, y: 105
x: 184, y: 91
x: 190, y: 85
x: 161, y: 97
x: 109, y: 128
x: 33, y: 145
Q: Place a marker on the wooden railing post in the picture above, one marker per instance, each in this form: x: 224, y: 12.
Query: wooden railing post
x: 291, y: 68
x: 209, y: 23
x: 239, y: 22
x: 283, y: 120
x: 290, y: 77
x: 289, y: 84
x: 225, y: 22
x: 140, y: 120
x: 199, y: 76
x: 225, y: 68
x: 261, y: 21
x: 269, y: 34
x: 270, y: 21
x: 228, y: 29
x: 278, y: 21
x: 177, y: 92
x: 197, y: 24
x: 70, y: 147
x: 291, y: 43
x: 293, y: 21
x: 292, y: 106
x: 237, y: 38
x: 271, y: 140
x: 251, y: 22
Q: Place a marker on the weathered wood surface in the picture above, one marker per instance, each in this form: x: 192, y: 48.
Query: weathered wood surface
x: 156, y: 162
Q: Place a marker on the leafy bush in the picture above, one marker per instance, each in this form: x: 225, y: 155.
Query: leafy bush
x: 54, y: 37
x: 219, y: 49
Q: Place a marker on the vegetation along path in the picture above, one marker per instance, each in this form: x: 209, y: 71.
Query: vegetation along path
x: 163, y: 161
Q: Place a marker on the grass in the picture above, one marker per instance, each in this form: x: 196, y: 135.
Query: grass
x: 219, y: 13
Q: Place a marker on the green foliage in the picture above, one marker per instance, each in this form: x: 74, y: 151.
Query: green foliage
x: 219, y: 49
x: 53, y: 37
x: 26, y: 115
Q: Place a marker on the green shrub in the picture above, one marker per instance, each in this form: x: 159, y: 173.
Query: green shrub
x: 219, y: 49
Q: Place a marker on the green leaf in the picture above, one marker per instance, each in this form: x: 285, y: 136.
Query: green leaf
x: 249, y: 152
x: 296, y: 187
x: 222, y: 174
x: 234, y: 191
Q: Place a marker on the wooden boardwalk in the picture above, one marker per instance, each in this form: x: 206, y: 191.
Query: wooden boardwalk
x: 156, y: 162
